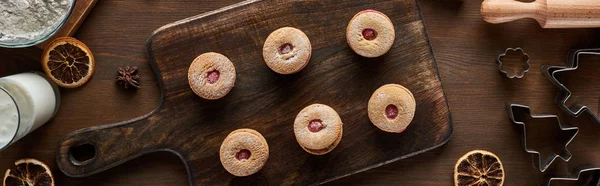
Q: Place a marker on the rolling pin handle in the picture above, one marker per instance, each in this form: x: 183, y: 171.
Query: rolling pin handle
x: 501, y: 11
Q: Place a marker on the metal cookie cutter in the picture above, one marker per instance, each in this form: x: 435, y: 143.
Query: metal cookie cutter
x: 586, y: 175
x: 564, y: 93
x: 518, y: 74
x: 569, y: 130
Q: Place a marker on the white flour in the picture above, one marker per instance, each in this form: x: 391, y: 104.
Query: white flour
x: 25, y: 20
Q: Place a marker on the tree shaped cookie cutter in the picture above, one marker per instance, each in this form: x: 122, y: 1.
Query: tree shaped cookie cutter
x: 542, y: 166
x: 576, y: 175
x: 518, y: 74
x: 564, y: 93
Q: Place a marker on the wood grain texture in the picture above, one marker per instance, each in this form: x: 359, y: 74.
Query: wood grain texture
x: 80, y: 11
x: 548, y: 13
x: 465, y: 48
x: 263, y: 100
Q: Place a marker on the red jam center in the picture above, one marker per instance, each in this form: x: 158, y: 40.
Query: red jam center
x: 286, y: 48
x: 243, y: 154
x: 212, y: 76
x: 369, y: 34
x: 315, y: 125
x: 391, y: 111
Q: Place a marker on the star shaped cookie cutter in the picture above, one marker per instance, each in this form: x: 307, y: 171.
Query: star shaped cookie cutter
x: 593, y: 179
x: 542, y: 166
x: 518, y: 74
x: 564, y: 93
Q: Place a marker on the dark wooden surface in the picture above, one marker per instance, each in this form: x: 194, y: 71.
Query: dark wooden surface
x: 263, y: 100
x: 464, y: 46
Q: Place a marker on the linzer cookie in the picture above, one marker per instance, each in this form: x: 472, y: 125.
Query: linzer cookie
x: 318, y: 129
x: 287, y: 50
x: 370, y: 33
x: 211, y: 75
x: 392, y: 108
x: 244, y: 152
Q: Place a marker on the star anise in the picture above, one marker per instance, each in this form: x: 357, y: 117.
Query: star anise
x: 128, y: 77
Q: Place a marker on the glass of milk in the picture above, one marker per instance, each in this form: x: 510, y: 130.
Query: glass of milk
x: 27, y: 101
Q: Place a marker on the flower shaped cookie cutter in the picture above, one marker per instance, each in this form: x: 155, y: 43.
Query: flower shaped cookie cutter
x: 519, y: 74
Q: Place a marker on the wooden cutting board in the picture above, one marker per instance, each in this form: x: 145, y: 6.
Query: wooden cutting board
x: 194, y: 128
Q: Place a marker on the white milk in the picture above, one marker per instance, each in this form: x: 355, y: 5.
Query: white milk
x: 9, y: 116
x: 37, y: 100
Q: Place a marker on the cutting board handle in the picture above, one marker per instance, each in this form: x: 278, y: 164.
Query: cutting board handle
x: 501, y: 11
x: 92, y: 150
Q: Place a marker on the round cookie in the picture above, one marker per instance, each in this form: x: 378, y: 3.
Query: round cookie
x: 392, y: 108
x: 287, y: 50
x: 327, y: 149
x: 370, y: 33
x: 244, y: 152
x: 211, y: 75
x: 318, y: 129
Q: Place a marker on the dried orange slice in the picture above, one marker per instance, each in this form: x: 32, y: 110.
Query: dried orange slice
x: 68, y: 62
x: 479, y: 168
x: 29, y: 172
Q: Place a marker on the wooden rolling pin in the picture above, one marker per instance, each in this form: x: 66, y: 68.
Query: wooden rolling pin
x: 549, y: 13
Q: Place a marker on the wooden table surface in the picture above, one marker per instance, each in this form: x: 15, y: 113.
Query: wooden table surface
x: 464, y: 45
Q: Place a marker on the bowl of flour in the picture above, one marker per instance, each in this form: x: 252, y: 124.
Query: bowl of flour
x: 25, y: 23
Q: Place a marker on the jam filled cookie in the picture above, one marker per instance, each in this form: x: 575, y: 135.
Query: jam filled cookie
x: 287, y: 50
x: 370, y: 33
x: 211, y: 75
x: 318, y: 129
x: 392, y: 108
x: 244, y: 152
